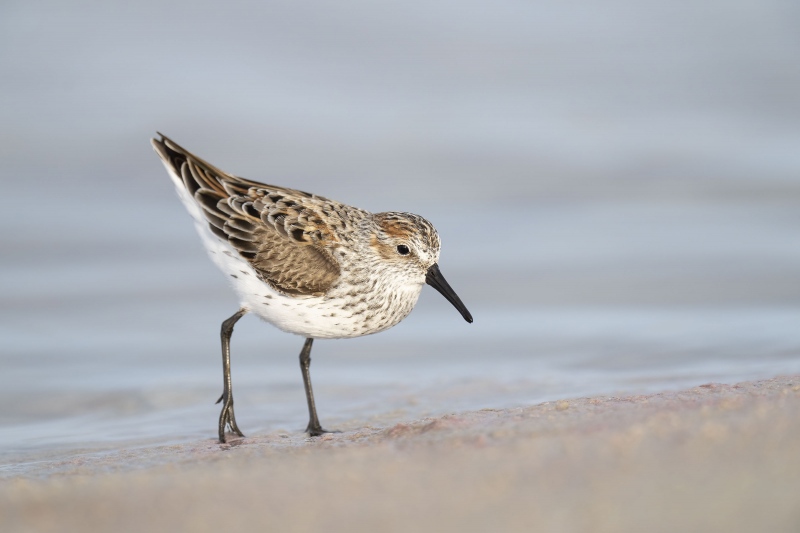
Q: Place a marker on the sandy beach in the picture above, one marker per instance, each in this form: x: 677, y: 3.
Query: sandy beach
x: 711, y: 458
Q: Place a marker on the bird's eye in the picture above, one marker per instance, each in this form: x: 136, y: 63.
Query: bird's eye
x: 402, y: 249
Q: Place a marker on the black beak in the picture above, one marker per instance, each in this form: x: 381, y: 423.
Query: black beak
x: 437, y: 281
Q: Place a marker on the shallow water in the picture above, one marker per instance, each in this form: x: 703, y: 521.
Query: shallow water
x: 127, y: 353
x: 612, y: 231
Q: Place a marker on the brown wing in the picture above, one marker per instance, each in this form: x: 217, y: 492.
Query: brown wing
x: 281, y: 232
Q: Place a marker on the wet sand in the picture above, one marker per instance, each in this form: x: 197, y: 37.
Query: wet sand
x: 712, y: 458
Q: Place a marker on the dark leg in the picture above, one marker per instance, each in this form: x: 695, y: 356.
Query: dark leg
x: 226, y: 416
x: 314, y: 428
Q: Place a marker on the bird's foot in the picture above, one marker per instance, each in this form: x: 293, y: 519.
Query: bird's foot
x: 316, y: 430
x: 226, y: 417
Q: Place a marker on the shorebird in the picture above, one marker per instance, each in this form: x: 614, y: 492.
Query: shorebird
x: 306, y: 264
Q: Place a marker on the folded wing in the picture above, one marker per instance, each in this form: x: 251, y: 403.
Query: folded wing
x: 281, y: 232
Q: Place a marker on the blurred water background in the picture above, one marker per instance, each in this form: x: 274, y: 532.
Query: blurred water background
x: 616, y: 184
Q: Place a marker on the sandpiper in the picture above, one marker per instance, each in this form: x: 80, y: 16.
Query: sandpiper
x: 306, y: 264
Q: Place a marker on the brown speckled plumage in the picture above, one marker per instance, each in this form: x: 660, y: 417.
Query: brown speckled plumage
x: 279, y: 231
